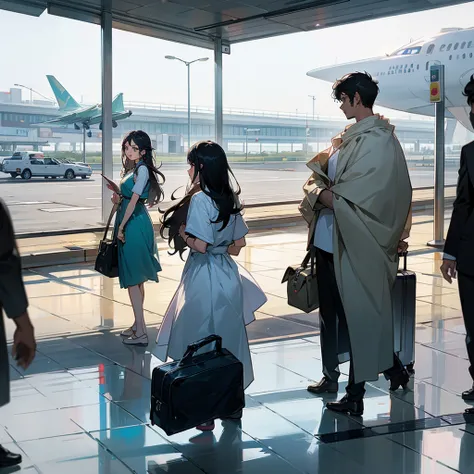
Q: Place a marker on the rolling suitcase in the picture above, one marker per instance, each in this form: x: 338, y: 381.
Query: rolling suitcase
x: 197, y: 388
x: 404, y: 315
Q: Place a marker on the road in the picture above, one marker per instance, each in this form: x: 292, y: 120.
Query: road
x: 48, y: 205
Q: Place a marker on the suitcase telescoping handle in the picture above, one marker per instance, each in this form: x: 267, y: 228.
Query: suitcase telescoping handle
x: 195, y: 346
x: 404, y: 255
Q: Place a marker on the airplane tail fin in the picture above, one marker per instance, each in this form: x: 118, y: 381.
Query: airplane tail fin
x: 117, y: 104
x: 65, y: 100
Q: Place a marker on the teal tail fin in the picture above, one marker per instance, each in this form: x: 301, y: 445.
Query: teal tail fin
x: 65, y: 100
x: 117, y: 104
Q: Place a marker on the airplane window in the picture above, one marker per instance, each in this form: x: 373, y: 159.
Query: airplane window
x: 450, y: 57
x: 470, y: 55
x: 442, y: 48
x: 427, y: 65
x: 469, y: 45
x: 464, y: 56
x: 430, y: 49
x: 463, y: 45
x: 418, y: 66
x: 456, y: 46
x: 450, y: 45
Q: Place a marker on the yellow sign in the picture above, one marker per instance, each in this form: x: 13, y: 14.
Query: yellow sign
x: 435, y: 92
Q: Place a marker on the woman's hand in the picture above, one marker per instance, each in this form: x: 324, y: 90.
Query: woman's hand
x: 121, y: 235
x: 115, y: 198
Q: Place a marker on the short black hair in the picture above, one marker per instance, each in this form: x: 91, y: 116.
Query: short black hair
x: 469, y: 91
x: 360, y: 82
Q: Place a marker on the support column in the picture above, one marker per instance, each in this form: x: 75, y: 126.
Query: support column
x: 107, y: 157
x: 218, y: 99
x: 438, y: 227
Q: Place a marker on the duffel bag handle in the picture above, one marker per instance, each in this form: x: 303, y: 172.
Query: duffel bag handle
x: 195, y: 346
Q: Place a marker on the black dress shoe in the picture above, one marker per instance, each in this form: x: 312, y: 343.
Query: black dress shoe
x: 8, y: 459
x: 323, y: 386
x: 345, y: 405
x: 401, y: 379
x: 468, y: 394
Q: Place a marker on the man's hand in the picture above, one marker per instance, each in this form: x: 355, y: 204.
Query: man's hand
x: 325, y: 198
x: 448, y: 269
x: 402, y: 246
x: 24, y: 344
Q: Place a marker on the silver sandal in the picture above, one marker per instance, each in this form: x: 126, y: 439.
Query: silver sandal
x: 135, y: 340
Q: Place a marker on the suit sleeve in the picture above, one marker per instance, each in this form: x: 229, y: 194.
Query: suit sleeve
x: 462, y: 208
x: 12, y: 291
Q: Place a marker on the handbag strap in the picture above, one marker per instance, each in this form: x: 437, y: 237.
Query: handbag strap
x: 311, y: 255
x: 109, y: 220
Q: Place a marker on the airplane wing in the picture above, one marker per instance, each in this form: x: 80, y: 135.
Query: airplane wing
x: 97, y: 119
x: 81, y: 116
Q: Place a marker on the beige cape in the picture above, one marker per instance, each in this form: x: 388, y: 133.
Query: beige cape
x: 372, y: 203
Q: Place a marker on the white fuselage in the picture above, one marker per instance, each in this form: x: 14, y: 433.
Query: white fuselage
x: 404, y: 76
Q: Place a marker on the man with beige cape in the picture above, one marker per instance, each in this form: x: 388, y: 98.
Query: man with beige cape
x: 357, y: 202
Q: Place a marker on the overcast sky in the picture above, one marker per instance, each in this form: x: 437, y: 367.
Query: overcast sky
x: 262, y: 75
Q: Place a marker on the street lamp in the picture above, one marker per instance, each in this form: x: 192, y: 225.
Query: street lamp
x: 31, y: 92
x: 247, y: 130
x: 313, y: 97
x: 188, y: 64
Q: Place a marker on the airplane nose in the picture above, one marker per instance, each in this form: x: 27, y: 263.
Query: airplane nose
x: 333, y: 73
x: 330, y: 73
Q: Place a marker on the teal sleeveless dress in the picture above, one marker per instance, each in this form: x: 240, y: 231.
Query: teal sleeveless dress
x: 138, y: 259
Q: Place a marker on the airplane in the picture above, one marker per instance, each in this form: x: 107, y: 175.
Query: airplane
x: 76, y: 114
x: 404, y: 75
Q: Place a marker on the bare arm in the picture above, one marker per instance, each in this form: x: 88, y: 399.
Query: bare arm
x: 129, y: 211
x: 193, y: 242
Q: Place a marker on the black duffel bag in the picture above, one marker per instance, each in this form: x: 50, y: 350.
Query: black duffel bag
x: 106, y: 261
x: 197, y: 388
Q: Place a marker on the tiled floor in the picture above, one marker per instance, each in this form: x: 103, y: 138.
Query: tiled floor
x: 83, y: 405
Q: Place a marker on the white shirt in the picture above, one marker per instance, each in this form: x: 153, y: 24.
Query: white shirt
x: 323, y: 233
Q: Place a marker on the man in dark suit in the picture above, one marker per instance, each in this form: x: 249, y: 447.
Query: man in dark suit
x: 14, y: 302
x: 458, y: 258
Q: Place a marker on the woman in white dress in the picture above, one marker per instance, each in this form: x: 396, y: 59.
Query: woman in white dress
x: 215, y: 295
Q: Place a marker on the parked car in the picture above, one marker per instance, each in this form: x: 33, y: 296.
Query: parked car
x: 2, y: 158
x: 28, y: 164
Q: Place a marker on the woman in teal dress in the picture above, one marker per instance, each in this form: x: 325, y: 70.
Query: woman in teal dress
x: 138, y: 259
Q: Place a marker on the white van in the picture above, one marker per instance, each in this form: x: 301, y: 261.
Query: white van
x: 28, y: 164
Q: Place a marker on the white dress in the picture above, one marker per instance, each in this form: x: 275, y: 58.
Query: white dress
x: 215, y: 295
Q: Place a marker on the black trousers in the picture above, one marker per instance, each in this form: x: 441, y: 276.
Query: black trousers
x: 466, y: 295
x: 334, y: 333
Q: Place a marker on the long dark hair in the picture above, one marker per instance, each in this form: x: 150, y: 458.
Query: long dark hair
x: 210, y: 164
x: 157, y: 178
x: 174, y: 217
